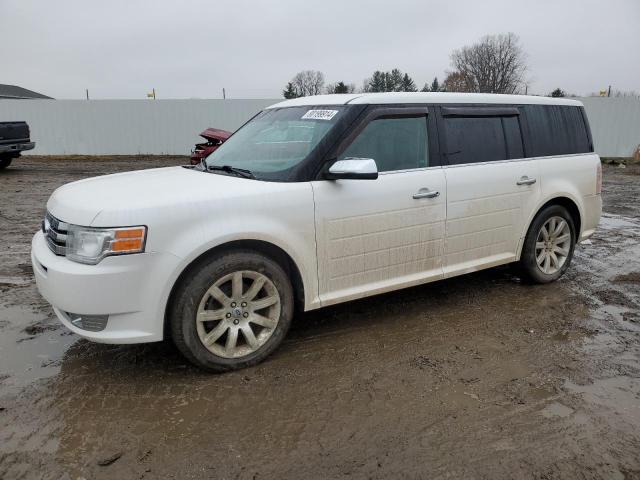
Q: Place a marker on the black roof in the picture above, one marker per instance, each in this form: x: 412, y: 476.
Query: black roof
x: 15, y: 92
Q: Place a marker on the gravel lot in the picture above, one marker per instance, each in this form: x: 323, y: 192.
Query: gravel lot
x: 473, y: 377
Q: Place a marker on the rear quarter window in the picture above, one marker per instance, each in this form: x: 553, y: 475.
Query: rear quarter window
x: 555, y: 130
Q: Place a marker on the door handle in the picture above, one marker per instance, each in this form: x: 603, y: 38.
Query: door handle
x: 426, y: 193
x: 524, y: 180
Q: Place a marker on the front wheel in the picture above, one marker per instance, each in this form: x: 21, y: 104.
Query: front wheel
x: 231, y: 311
x: 549, y: 245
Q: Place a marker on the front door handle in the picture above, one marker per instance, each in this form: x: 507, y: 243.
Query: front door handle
x: 426, y: 193
x: 524, y: 180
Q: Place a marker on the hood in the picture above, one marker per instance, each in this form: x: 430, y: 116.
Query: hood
x: 215, y: 134
x: 123, y: 198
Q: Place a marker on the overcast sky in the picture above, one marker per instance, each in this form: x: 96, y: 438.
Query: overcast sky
x: 194, y: 48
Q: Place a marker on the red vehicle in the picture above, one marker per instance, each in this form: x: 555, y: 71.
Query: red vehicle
x: 214, y: 138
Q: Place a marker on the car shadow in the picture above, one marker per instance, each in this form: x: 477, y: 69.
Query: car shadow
x: 380, y: 311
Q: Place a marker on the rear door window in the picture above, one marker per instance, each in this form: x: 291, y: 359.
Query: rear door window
x: 474, y: 139
x: 513, y: 136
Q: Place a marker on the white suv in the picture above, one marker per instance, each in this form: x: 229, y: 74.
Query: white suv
x: 316, y: 201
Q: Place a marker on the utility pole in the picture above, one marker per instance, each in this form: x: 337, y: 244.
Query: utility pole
x: 224, y: 94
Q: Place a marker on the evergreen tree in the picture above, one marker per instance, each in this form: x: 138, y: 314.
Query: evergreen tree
x: 377, y: 82
x: 394, y: 81
x: 408, y: 85
x: 290, y: 91
x: 340, y: 87
x: 558, y: 93
x: 435, y: 86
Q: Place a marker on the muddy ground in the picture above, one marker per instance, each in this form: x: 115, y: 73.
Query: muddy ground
x: 474, y: 377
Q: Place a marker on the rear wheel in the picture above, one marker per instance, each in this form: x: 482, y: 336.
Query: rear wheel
x: 232, y: 311
x: 549, y: 245
x: 5, y: 161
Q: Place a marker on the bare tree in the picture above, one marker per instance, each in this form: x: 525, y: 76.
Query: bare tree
x: 308, y: 82
x: 496, y: 64
x: 454, y: 82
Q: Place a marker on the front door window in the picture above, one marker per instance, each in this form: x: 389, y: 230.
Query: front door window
x: 394, y: 143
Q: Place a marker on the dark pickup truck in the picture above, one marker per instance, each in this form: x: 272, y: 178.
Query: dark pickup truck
x: 14, y: 138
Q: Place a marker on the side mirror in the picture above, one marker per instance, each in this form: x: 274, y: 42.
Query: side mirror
x: 353, y: 169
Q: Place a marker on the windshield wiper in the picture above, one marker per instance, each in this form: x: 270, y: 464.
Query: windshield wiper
x: 241, y: 172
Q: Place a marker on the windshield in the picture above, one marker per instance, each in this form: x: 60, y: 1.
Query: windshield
x: 276, y: 140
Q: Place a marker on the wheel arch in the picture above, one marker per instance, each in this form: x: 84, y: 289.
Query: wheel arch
x: 565, y: 201
x: 266, y: 248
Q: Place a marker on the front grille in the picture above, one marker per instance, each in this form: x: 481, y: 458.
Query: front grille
x: 55, y: 232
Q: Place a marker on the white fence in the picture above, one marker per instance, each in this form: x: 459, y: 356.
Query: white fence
x: 171, y: 127
x: 125, y: 127
x: 615, y: 124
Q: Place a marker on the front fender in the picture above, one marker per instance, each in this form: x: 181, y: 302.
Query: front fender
x: 300, y: 246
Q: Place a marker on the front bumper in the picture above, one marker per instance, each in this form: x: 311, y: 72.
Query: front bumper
x: 17, y: 147
x: 129, y: 289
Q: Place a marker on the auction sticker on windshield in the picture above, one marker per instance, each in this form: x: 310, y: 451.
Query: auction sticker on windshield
x: 319, y: 115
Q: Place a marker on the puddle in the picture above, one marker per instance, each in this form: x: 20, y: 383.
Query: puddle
x: 623, y: 317
x: 615, y: 222
x: 602, y: 343
x: 556, y: 410
x: 564, y: 336
x: 504, y: 444
x: 25, y: 358
x: 15, y: 281
x: 620, y: 394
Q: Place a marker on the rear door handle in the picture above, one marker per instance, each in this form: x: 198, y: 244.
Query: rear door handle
x: 426, y: 193
x: 526, y: 181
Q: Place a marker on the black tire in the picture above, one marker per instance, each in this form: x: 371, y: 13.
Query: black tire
x: 5, y: 161
x: 193, y: 287
x: 528, y: 266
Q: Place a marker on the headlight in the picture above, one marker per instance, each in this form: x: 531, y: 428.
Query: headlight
x: 90, y: 245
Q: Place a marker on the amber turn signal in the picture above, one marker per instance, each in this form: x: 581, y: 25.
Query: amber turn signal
x: 128, y: 240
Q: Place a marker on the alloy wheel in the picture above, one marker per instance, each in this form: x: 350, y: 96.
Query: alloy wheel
x: 238, y: 314
x: 553, y: 245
